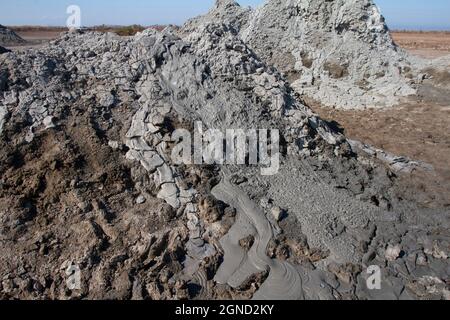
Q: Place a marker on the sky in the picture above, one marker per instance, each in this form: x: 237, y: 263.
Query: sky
x: 400, y: 14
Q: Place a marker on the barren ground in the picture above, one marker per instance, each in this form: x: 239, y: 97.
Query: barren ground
x: 37, y: 36
x: 419, y: 129
x: 424, y: 44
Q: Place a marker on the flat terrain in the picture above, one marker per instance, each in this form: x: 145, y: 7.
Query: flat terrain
x: 34, y: 36
x: 424, y: 44
x: 418, y: 131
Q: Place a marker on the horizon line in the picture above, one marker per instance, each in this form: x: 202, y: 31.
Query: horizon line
x: 394, y: 29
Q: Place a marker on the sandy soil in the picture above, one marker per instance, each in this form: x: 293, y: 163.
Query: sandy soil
x: 417, y: 130
x: 424, y: 44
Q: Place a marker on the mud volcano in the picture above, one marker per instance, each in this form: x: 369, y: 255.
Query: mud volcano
x: 9, y: 37
x: 88, y: 179
x: 339, y: 53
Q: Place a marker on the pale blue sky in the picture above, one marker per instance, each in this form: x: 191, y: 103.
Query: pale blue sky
x: 400, y: 14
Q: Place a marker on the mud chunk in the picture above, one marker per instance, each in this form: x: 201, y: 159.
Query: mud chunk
x: 122, y: 286
x: 107, y: 99
x: 169, y: 193
x: 436, y: 251
x: 346, y: 273
x: 113, y: 144
x: 393, y: 252
x: 48, y: 122
x: 208, y: 211
x: 421, y: 259
x: 3, y: 114
x: 140, y: 199
x: 167, y: 212
x: 278, y: 213
x: 247, y: 242
x: 137, y: 291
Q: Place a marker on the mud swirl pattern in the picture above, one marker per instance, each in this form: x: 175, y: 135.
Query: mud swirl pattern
x: 284, y: 281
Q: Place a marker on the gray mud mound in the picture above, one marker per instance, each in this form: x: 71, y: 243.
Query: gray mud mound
x: 224, y: 11
x: 3, y: 50
x: 9, y: 37
x: 339, y: 53
x: 88, y: 181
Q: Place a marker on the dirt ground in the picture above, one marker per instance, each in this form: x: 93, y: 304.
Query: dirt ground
x: 39, y: 36
x: 424, y: 44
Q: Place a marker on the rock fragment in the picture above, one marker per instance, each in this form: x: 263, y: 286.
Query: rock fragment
x: 107, y: 100
x: 140, y: 199
x: 277, y: 213
x: 3, y: 115
x: 48, y: 122
x: 393, y: 252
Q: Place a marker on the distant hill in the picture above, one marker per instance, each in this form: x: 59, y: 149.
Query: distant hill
x: 9, y: 37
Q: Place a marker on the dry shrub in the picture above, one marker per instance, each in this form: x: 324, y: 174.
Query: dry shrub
x: 129, y: 30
